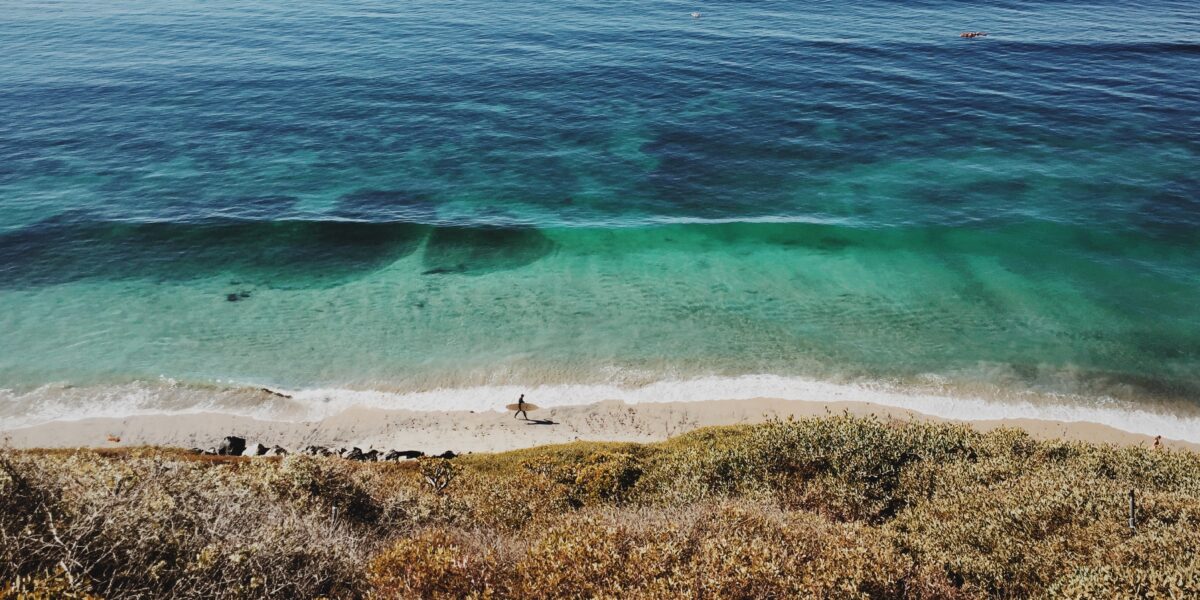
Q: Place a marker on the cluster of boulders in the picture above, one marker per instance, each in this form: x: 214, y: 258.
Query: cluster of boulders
x: 371, y: 454
x: 236, y: 446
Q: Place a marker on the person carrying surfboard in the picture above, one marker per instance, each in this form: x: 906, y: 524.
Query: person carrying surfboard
x: 521, y: 408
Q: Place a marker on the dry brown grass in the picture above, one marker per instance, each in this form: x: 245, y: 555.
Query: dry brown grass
x: 839, y: 507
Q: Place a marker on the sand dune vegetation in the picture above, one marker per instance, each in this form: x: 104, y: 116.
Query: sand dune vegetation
x: 834, y: 507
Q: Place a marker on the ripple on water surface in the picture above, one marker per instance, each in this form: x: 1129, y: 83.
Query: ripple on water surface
x: 385, y: 196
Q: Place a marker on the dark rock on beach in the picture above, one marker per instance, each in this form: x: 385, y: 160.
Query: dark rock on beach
x: 232, y: 446
x: 231, y: 443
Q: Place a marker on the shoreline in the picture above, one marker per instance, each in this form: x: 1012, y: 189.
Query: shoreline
x: 1173, y: 419
x: 494, y: 431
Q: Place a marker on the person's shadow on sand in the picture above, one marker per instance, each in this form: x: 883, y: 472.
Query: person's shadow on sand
x: 540, y: 422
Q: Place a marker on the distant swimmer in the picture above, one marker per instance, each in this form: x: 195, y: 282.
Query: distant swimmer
x: 972, y: 34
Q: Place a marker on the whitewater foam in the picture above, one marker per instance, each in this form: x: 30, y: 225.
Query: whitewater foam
x: 51, y: 403
x: 1105, y: 411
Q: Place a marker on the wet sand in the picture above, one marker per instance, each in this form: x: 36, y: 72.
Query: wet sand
x: 469, y: 431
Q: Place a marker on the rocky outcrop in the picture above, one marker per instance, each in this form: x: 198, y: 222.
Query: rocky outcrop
x: 236, y: 446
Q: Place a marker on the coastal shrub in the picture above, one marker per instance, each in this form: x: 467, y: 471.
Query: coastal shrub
x: 598, y: 476
x: 1016, y: 525
x: 835, y: 507
x: 738, y: 550
x: 139, y: 526
x: 847, y: 467
x: 607, y: 476
x: 724, y: 550
x: 1158, y: 564
x: 435, y: 563
x: 438, y: 473
x: 53, y: 585
x: 407, y: 507
x: 327, y: 485
x: 27, y: 509
x: 510, y: 503
x: 851, y: 468
x: 1013, y: 538
x: 703, y: 465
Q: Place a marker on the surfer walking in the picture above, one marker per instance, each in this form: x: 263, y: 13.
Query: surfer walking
x: 521, y: 408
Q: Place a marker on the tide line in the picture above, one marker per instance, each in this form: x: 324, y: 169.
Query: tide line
x: 1123, y: 416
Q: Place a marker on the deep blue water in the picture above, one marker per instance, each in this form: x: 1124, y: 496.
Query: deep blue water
x: 427, y: 194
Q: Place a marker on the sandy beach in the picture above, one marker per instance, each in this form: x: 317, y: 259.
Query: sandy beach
x: 491, y: 431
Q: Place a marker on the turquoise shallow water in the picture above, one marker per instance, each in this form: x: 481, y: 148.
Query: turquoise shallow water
x: 374, y: 196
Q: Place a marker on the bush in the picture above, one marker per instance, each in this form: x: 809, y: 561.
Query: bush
x: 434, y: 564
x: 847, y: 467
x: 838, y: 507
x: 324, y: 485
x: 1161, y: 565
x: 726, y: 550
x: 155, y: 526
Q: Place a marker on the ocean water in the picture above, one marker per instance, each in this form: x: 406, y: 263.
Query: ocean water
x: 439, y: 204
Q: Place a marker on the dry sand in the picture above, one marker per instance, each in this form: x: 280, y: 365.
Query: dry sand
x: 496, y: 431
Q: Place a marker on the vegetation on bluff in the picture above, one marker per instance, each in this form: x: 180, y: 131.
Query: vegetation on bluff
x: 838, y: 507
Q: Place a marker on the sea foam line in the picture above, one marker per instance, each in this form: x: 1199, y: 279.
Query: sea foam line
x: 1123, y: 416
x: 69, y: 403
